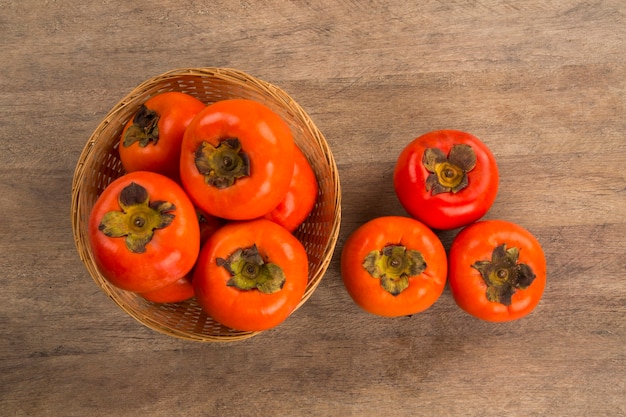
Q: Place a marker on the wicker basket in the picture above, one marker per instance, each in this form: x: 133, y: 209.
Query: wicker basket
x: 99, y: 164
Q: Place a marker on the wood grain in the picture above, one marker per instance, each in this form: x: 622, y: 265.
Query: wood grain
x: 542, y: 83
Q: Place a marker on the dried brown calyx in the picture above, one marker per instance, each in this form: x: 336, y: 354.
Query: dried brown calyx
x: 504, y: 275
x: 144, y: 130
x: 223, y: 164
x: 448, y: 173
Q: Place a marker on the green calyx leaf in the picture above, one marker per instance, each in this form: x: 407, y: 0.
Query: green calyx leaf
x: 394, y: 265
x: 224, y: 164
x: 138, y: 219
x: 144, y: 130
x: 504, y: 275
x: 249, y: 271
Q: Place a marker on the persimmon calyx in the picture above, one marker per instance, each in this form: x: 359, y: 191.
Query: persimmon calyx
x: 145, y: 128
x: 223, y: 164
x: 249, y: 271
x: 394, y: 265
x: 503, y: 275
x: 138, y: 219
x: 448, y: 173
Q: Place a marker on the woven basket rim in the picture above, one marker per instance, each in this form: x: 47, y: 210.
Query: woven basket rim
x: 229, y: 75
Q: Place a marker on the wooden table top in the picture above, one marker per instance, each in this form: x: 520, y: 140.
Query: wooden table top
x: 541, y: 83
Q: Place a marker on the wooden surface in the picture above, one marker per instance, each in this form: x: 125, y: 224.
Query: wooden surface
x: 542, y: 83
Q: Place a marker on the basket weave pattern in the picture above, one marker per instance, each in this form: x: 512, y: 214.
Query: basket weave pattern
x: 99, y: 164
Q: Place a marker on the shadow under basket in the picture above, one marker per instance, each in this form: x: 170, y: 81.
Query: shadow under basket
x: 99, y: 164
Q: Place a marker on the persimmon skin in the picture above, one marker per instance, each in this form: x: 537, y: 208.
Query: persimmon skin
x: 250, y: 310
x: 175, y: 110
x: 476, y: 243
x: 170, y: 254
x: 268, y: 145
x: 178, y: 291
x: 300, y: 199
x: 446, y: 210
x: 367, y: 292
